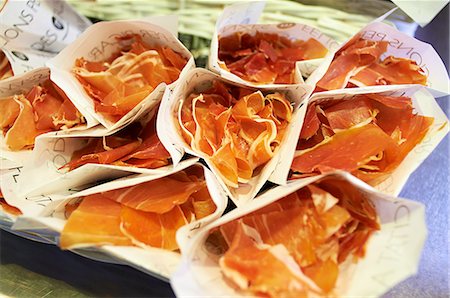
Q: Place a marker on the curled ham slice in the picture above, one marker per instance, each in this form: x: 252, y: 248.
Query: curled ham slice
x: 237, y: 129
x: 122, y: 81
x: 359, y: 64
x: 124, y: 149
x: 266, y: 58
x: 317, y: 227
x: 44, y: 108
x: 147, y: 214
x: 368, y: 135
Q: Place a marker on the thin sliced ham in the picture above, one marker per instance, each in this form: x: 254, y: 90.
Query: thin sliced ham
x: 359, y: 64
x: 238, y: 129
x: 310, y: 226
x: 368, y: 135
x: 125, y: 79
x: 96, y: 221
x: 158, y: 196
x: 5, y: 67
x: 147, y: 214
x: 265, y: 58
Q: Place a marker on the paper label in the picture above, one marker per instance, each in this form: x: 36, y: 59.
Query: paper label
x: 175, y: 144
x: 98, y: 43
x: 394, y: 250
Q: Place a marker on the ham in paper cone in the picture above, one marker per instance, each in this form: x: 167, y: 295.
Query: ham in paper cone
x: 146, y: 214
x: 266, y: 58
x: 136, y: 145
x: 128, y: 76
x: 368, y: 135
x: 43, y: 109
x: 296, y: 245
x: 237, y: 129
x: 361, y: 63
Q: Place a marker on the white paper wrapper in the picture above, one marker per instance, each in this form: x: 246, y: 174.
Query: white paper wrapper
x: 97, y: 43
x: 175, y: 144
x: 400, y: 46
x: 31, y: 32
x: 242, y: 17
x: 21, y: 85
x: 392, y: 254
x: 424, y: 104
x: 158, y: 262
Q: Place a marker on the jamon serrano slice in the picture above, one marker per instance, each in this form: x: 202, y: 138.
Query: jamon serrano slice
x: 122, y: 81
x: 318, y: 227
x: 368, y: 135
x: 359, y: 64
x: 266, y: 58
x: 5, y: 67
x: 262, y: 270
x: 147, y: 214
x: 238, y: 129
x: 96, y: 221
x: 159, y: 196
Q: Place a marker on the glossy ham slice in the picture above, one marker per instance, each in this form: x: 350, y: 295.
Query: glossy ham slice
x: 152, y: 229
x: 251, y: 268
x: 368, y: 135
x: 265, y: 58
x: 22, y: 133
x: 346, y: 150
x: 147, y: 214
x: 238, y: 129
x: 44, y: 108
x: 319, y: 227
x: 96, y: 221
x: 359, y: 64
x: 122, y: 81
x: 158, y: 196
x: 134, y: 147
x: 9, y: 111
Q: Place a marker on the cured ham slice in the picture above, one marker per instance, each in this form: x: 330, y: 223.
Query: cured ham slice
x: 359, y: 64
x: 22, y: 133
x: 122, y: 81
x: 133, y: 147
x: 261, y: 270
x: 5, y: 67
x: 318, y: 227
x: 368, y: 135
x: 266, y: 58
x: 153, y: 229
x: 237, y: 129
x: 158, y: 196
x: 96, y: 221
x: 147, y: 214
x: 44, y: 108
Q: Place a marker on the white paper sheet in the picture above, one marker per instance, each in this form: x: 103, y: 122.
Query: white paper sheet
x: 392, y: 254
x: 32, y: 32
x: 175, y: 144
x: 242, y: 17
x: 400, y: 46
x: 97, y: 43
x: 421, y: 11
